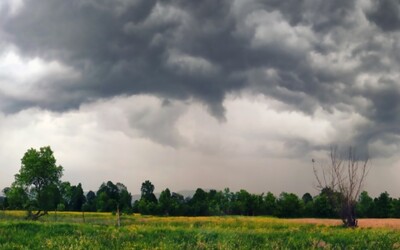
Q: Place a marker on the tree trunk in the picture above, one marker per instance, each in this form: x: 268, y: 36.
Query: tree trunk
x: 348, y: 215
x: 35, y: 216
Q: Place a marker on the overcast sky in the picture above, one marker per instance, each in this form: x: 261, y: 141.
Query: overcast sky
x: 211, y: 94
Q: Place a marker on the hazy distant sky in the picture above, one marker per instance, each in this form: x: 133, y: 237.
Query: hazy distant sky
x: 211, y: 94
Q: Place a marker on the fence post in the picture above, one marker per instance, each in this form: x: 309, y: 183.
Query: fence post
x: 118, y: 217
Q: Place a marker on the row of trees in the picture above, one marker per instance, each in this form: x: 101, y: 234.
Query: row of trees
x: 66, y: 197
x: 38, y: 187
x: 327, y: 204
x: 111, y: 197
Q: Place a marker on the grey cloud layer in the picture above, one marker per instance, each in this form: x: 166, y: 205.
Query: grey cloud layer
x: 338, y: 55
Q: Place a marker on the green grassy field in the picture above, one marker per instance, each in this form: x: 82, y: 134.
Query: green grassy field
x: 67, y: 231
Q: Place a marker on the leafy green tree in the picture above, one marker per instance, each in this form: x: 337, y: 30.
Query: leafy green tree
x: 328, y: 204
x: 135, y: 206
x: 257, y: 203
x: 39, y: 178
x: 101, y: 202
x: 50, y: 197
x: 78, y: 198
x: 178, y: 205
x: 91, y: 201
x: 365, y: 206
x: 308, y: 202
x: 199, y: 203
x: 124, y: 198
x: 216, y: 202
x: 3, y: 199
x: 270, y: 204
x: 66, y: 194
x: 383, y: 205
x: 111, y: 197
x: 72, y: 196
x: 165, y: 202
x: 16, y: 197
x: 242, y: 203
x: 289, y: 205
x: 147, y: 192
x: 323, y: 207
x: 395, y: 213
x: 307, y: 198
x: 145, y: 207
x: 226, y: 201
x: 148, y: 201
x: 60, y: 207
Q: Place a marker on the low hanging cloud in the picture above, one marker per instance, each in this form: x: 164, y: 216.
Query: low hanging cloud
x: 189, y: 143
x: 340, y: 57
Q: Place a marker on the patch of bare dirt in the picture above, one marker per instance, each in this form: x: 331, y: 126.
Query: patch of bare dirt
x: 363, y: 223
x: 380, y: 223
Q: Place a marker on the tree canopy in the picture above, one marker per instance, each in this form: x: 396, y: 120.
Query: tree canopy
x: 38, y: 180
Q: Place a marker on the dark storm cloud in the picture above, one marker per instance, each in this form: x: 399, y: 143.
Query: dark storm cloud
x: 386, y: 14
x: 125, y: 52
x: 321, y: 15
x: 307, y: 54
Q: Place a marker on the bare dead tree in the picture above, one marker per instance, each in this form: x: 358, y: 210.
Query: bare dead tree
x: 345, y: 175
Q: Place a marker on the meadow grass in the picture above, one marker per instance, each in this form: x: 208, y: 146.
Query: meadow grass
x: 149, y: 232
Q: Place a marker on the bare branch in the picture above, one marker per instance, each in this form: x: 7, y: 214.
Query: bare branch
x: 345, y: 175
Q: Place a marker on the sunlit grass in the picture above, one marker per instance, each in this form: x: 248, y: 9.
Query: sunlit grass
x: 99, y: 231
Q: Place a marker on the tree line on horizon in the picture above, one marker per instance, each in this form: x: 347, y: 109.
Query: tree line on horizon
x: 111, y: 197
x: 38, y: 189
